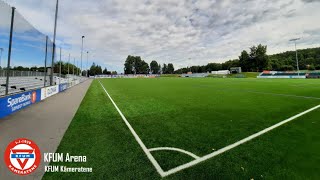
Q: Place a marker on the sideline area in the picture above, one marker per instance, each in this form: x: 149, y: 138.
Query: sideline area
x: 45, y: 123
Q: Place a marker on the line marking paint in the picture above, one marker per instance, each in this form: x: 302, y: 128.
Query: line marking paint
x: 203, y: 158
x: 257, y: 92
x: 174, y: 149
x: 144, y: 148
x: 231, y: 146
x: 285, y: 95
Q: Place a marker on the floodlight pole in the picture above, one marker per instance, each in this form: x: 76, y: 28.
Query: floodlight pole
x: 1, y: 50
x: 295, y: 45
x: 68, y: 64
x: 87, y: 63
x: 190, y: 65
x: 68, y: 70
x: 81, y: 54
x: 45, y: 62
x: 60, y: 67
x: 54, y: 42
x: 77, y: 68
x: 9, y: 50
x: 74, y: 64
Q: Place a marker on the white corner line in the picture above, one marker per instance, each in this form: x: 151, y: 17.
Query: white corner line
x: 144, y: 148
x: 231, y: 146
x: 174, y: 149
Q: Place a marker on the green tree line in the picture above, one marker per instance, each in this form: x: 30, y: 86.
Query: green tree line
x: 256, y: 60
x: 56, y: 67
x: 135, y: 65
x: 94, y: 69
x: 97, y: 70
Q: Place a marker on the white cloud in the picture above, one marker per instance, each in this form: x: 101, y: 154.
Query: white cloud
x: 185, y: 32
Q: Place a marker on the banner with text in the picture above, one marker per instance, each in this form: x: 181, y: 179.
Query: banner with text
x: 49, y: 91
x: 11, y: 104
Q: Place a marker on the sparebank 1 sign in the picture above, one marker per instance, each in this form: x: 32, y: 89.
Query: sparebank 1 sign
x: 13, y: 103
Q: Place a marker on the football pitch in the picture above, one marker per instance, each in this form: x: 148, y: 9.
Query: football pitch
x: 206, y: 128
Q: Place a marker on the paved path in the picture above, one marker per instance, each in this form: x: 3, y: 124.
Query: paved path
x: 45, y: 123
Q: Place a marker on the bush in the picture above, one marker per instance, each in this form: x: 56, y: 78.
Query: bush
x: 311, y: 67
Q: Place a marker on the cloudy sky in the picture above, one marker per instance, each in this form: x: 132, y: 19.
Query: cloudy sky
x: 185, y: 32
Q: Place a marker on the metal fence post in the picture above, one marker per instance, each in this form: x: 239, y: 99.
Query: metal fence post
x: 68, y: 63
x: 54, y: 42
x: 60, y: 67
x: 74, y: 62
x: 68, y: 70
x: 45, y: 63
x: 9, y: 51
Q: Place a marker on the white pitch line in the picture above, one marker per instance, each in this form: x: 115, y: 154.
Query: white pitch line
x: 174, y: 149
x: 144, y: 148
x: 229, y: 147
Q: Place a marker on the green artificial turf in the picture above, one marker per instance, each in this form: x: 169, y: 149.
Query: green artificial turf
x: 199, y: 115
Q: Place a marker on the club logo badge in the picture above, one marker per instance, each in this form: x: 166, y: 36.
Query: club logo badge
x: 22, y: 156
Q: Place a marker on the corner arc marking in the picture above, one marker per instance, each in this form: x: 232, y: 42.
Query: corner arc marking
x: 174, y: 149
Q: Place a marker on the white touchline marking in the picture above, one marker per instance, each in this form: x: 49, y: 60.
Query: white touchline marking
x: 144, y: 148
x: 285, y: 95
x: 174, y: 149
x: 206, y: 157
x: 259, y: 92
x: 231, y: 146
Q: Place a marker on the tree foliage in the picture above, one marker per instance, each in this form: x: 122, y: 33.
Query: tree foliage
x: 95, y: 70
x: 170, y: 69
x: 164, y: 69
x: 306, y: 57
x: 64, y: 68
x: 209, y: 67
x: 255, y: 59
x: 134, y: 65
x: 154, y: 67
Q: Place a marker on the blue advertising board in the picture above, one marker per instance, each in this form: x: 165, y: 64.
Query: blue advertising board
x: 14, y: 103
x: 63, y: 87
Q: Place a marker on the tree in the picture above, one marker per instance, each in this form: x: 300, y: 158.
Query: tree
x: 98, y: 70
x: 137, y: 65
x: 105, y: 71
x: 311, y: 67
x: 244, y: 61
x: 213, y: 67
x: 154, y: 67
x: 164, y: 69
x: 134, y: 65
x: 95, y: 70
x: 20, y: 68
x: 129, y: 65
x: 261, y: 57
x: 229, y: 64
x: 170, y: 68
x: 144, y: 68
x: 255, y: 60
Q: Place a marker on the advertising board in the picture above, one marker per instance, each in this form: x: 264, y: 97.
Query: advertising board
x: 63, y: 87
x: 49, y: 91
x: 13, y: 103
